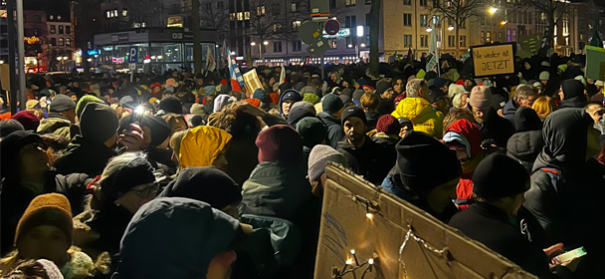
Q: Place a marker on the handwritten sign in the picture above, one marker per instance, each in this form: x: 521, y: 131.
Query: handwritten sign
x: 595, y: 63
x: 493, y: 60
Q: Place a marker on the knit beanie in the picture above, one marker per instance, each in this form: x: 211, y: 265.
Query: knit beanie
x: 424, y: 163
x: 137, y: 171
x: 9, y: 126
x: 62, y: 103
x: 28, y: 119
x: 260, y: 95
x: 47, y: 210
x: 481, y: 97
x: 347, y: 92
x: 207, y: 184
x: 331, y: 104
x: 319, y: 157
x: 388, y: 124
x: 346, y: 100
x: 545, y: 75
x: 572, y: 88
x: 160, y: 130
x: 353, y: 112
x: 83, y: 102
x: 298, y: 113
x: 99, y: 122
x: 562, y: 67
x: 357, y: 95
x: 171, y: 104
x: 222, y: 101
x: 198, y: 109
x: 499, y: 176
x: 455, y: 89
x: 545, y: 64
x: 381, y: 87
x: 279, y: 143
x: 312, y: 131
x: 526, y: 119
x: 311, y: 98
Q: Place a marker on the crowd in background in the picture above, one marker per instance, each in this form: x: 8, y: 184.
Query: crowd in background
x: 176, y: 175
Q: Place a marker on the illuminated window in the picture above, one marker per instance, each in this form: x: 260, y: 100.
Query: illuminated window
x: 407, y: 40
x: 293, y: 7
x: 463, y: 41
x: 232, y: 16
x: 68, y: 42
x: 296, y: 25
x: 276, y: 27
x: 260, y: 11
x: 53, y: 29
x: 350, y: 2
x: 246, y: 15
x: 424, y: 40
x: 424, y: 20
x: 61, y: 41
x: 124, y: 13
x: 240, y: 16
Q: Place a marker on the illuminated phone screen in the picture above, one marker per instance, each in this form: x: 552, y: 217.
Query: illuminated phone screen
x: 568, y: 256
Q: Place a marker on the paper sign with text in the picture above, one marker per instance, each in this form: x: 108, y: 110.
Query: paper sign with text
x: 595, y: 63
x: 493, y: 60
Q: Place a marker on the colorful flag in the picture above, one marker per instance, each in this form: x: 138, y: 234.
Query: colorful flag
x: 433, y: 64
x: 237, y: 81
x: 223, y: 53
x: 210, y: 63
x: 410, y: 56
x: 282, y: 75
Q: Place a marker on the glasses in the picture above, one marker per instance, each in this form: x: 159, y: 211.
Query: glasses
x: 147, y: 189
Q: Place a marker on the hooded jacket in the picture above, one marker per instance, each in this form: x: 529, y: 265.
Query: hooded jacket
x: 525, y: 145
x: 201, y: 146
x: 573, y: 90
x: 276, y: 190
x: 83, y: 156
x: 467, y: 133
x: 496, y: 130
x: 55, y: 124
x: 565, y: 188
x: 335, y: 131
x: 297, y: 97
x: 509, y: 110
x: 422, y: 115
x: 370, y: 160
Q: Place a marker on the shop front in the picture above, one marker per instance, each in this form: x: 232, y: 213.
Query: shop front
x: 159, y: 49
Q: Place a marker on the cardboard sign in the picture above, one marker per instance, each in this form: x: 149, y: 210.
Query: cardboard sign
x: 252, y: 81
x: 5, y: 77
x: 493, y: 60
x: 595, y: 63
x: 374, y: 235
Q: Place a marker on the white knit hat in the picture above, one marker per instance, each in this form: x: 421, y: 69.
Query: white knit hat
x: 544, y: 75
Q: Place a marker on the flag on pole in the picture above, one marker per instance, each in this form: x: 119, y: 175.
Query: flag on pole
x: 237, y: 81
x: 410, y: 56
x: 282, y: 75
x: 596, y: 39
x: 210, y: 63
x: 223, y: 53
x: 433, y: 64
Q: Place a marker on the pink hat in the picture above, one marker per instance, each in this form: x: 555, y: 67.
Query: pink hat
x: 481, y: 97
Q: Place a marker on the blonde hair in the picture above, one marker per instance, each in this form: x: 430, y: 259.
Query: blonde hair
x: 369, y: 101
x: 544, y: 106
x: 413, y: 86
x: 457, y: 100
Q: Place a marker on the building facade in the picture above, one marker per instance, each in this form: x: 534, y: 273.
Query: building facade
x: 59, y: 42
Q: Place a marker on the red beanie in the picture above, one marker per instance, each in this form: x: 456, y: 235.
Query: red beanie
x: 224, y: 82
x: 28, y: 119
x: 388, y: 124
x: 280, y: 143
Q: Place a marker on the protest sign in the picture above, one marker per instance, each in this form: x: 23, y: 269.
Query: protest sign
x: 252, y: 81
x: 5, y: 77
x: 493, y: 60
x: 531, y: 43
x: 373, y: 234
x: 595, y: 63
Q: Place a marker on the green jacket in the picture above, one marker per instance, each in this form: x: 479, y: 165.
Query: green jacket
x: 276, y: 190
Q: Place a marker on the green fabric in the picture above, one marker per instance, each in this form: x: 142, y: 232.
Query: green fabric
x: 85, y: 101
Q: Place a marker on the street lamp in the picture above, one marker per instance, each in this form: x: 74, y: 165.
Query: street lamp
x: 451, y: 28
x: 252, y: 43
x: 265, y: 43
x: 429, y: 29
x: 363, y: 45
x: 492, y: 11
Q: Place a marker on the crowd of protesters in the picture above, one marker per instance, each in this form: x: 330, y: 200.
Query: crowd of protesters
x: 176, y: 175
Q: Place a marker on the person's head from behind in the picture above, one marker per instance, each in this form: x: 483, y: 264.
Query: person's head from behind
x: 525, y: 96
x: 280, y: 144
x: 332, y: 105
x: 45, y: 230
x: 64, y: 106
x: 596, y: 111
x: 369, y: 101
x: 388, y: 125
x: 200, y: 249
x: 501, y: 181
x: 571, y: 88
x: 204, y: 146
x: 175, y: 144
x: 312, y: 131
x: 207, y: 184
x: 315, y: 82
x: 417, y: 88
x: 233, y: 120
x: 127, y: 181
x: 415, y: 173
x: 99, y: 124
x: 544, y: 106
x: 406, y: 126
x: 56, y: 144
x: 481, y: 103
x: 464, y: 138
x: 355, y: 125
x: 319, y: 157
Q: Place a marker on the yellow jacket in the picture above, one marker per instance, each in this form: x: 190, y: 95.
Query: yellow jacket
x: 423, y: 116
x: 201, y: 146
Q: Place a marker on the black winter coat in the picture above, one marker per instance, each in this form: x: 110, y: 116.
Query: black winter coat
x: 15, y: 198
x: 525, y: 148
x: 83, y: 156
x: 496, y: 130
x: 335, y: 131
x: 367, y: 161
x: 509, y: 111
x: 490, y: 225
x: 372, y: 118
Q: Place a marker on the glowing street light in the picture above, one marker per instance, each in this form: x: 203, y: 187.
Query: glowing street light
x: 492, y: 10
x: 429, y: 29
x: 504, y: 22
x: 350, y: 45
x: 252, y: 43
x: 450, y: 28
x: 160, y: 57
x: 363, y: 45
x: 265, y: 43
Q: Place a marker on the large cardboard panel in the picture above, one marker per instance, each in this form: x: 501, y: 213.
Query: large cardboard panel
x: 493, y: 60
x: 252, y: 81
x: 595, y: 63
x: 433, y: 250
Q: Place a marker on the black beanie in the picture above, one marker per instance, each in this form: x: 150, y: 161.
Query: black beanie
x: 8, y: 126
x: 382, y: 86
x: 353, y: 112
x: 171, y: 104
x: 298, y: 113
x: 572, y: 88
x: 424, y: 163
x: 499, y: 176
x: 207, y: 184
x: 99, y: 122
x: 347, y: 92
x: 160, y: 130
x: 526, y: 119
x: 331, y: 104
